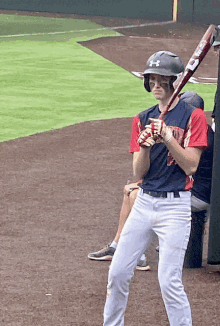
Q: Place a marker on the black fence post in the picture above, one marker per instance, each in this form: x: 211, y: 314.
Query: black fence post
x: 214, y: 228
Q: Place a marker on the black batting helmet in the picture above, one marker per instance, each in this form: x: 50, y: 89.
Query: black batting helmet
x: 193, y: 99
x: 163, y: 63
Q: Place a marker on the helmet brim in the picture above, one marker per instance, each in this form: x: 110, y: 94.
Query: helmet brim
x: 161, y: 72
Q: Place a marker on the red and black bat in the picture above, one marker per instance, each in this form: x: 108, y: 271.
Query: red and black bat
x: 197, y: 57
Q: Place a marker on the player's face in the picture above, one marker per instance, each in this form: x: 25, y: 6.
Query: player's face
x: 160, y: 86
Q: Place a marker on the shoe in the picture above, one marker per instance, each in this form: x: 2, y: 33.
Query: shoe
x: 157, y: 248
x: 104, y: 254
x: 142, y: 265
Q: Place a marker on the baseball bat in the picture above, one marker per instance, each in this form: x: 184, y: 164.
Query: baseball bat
x: 195, y: 60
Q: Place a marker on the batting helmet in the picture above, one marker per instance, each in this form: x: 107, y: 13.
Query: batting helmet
x: 193, y: 99
x: 163, y: 63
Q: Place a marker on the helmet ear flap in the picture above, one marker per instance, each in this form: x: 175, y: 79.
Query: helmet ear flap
x: 146, y: 83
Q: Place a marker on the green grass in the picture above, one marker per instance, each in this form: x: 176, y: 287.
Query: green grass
x: 18, y: 24
x: 50, y: 81
x: 47, y: 81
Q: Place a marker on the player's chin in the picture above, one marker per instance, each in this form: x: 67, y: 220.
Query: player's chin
x: 157, y: 95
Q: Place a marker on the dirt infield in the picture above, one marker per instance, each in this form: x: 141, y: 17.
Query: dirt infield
x: 61, y: 197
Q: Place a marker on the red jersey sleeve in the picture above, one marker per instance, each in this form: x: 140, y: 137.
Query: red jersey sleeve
x: 196, y: 132
x: 136, y: 129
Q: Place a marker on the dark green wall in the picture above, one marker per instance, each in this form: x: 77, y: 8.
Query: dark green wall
x: 201, y: 11
x: 160, y: 10
x: 185, y: 11
x: 207, y: 12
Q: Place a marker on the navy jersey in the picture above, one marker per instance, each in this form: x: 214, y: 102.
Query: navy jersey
x: 189, y: 129
x: 203, y: 176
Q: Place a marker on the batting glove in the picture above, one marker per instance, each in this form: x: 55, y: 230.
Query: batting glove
x: 146, y: 138
x: 159, y: 128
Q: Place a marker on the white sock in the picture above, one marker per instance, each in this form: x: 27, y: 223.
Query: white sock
x: 143, y: 257
x: 113, y: 244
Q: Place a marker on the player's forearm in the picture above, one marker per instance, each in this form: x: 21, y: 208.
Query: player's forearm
x: 142, y: 163
x: 186, y: 158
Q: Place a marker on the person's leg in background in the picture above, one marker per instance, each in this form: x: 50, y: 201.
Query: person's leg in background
x: 108, y: 251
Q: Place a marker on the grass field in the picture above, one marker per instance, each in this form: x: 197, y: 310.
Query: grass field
x: 49, y: 81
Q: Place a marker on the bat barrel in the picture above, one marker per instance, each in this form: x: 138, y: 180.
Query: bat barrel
x: 195, y: 60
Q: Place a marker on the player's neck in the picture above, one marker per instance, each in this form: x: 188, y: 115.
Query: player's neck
x: 163, y: 104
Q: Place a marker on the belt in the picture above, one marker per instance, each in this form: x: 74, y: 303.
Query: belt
x: 162, y: 194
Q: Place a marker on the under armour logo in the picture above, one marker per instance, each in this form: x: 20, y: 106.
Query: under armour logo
x: 157, y: 63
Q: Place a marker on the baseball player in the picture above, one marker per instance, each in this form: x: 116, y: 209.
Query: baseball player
x: 107, y: 252
x: 200, y: 193
x: 169, y: 155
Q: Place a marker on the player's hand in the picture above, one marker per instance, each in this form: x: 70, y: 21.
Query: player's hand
x: 146, y: 138
x: 159, y: 128
x: 129, y: 188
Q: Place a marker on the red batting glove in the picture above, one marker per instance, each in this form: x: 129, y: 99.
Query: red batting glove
x: 159, y: 128
x: 146, y: 138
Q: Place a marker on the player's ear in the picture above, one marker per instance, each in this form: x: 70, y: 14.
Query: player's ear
x: 176, y: 82
x: 172, y: 81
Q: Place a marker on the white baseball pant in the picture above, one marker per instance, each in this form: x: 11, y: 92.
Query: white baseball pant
x: 170, y: 219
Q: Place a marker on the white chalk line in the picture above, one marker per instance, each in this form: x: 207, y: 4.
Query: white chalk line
x: 88, y: 30
x: 208, y: 78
